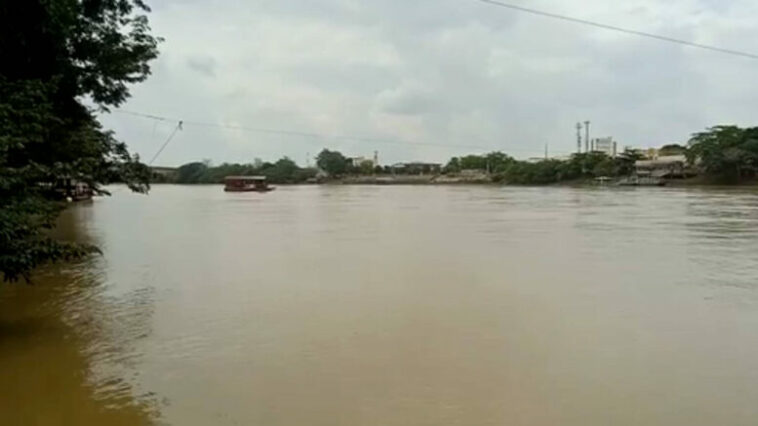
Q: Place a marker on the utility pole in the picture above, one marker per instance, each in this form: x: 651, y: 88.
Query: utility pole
x: 545, y: 151
x: 308, y: 160
x: 578, y: 138
x: 587, y: 136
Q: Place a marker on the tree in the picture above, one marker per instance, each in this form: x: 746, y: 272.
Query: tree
x: 366, y: 167
x: 541, y: 172
x: 626, y: 160
x: 332, y: 162
x: 605, y: 168
x: 725, y: 152
x: 55, y: 54
x: 304, y: 174
x: 498, y: 162
x: 589, y: 161
x: 672, y: 149
x: 283, y: 171
x: 473, y: 162
x: 196, y: 172
x: 494, y: 162
x: 453, y: 166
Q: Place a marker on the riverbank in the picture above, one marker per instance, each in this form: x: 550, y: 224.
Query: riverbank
x: 483, y: 179
x: 414, y: 180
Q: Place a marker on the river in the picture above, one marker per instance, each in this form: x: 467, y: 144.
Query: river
x: 396, y: 305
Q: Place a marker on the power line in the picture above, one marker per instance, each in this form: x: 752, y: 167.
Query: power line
x: 619, y: 29
x: 313, y: 135
x: 176, y: 129
x: 139, y: 114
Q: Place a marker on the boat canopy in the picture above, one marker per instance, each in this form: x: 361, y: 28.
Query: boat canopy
x: 247, y: 178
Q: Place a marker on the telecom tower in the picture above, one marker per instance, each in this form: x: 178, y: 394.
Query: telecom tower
x: 578, y: 138
x: 587, y: 136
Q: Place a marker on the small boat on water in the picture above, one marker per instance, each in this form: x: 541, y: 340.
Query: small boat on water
x: 246, y: 184
x: 80, y: 191
x: 642, y: 181
x: 603, y: 180
x: 68, y: 189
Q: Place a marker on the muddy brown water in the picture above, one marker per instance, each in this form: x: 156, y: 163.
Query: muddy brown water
x: 402, y: 305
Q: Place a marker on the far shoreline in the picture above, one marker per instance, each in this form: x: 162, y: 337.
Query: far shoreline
x: 696, y: 182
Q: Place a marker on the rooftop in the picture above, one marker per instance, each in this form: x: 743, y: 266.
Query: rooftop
x: 245, y: 178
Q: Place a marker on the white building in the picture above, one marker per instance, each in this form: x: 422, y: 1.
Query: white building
x: 358, y: 161
x: 606, y: 146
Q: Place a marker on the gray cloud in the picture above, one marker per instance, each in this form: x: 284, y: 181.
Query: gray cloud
x: 448, y: 72
x: 405, y: 101
x: 205, y: 65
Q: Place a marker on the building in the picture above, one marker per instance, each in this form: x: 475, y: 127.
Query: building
x: 357, y: 161
x: 670, y: 166
x: 606, y: 146
x: 649, y: 153
x: 163, y: 174
x: 417, y: 168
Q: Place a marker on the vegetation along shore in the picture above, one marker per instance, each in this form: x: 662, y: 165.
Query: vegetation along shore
x: 719, y: 155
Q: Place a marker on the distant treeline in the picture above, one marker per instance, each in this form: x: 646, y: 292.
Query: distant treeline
x: 330, y: 164
x: 506, y: 169
x: 282, y: 171
x: 721, y: 153
x: 727, y: 154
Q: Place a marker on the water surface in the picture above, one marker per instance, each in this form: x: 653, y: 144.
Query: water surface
x: 360, y: 305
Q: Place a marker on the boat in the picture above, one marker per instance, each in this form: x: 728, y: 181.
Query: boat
x: 246, y: 184
x: 603, y: 180
x: 68, y: 189
x: 80, y: 192
x: 642, y: 181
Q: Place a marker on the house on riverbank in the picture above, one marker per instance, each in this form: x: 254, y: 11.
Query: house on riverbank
x: 163, y: 174
x: 664, y: 167
x: 417, y: 168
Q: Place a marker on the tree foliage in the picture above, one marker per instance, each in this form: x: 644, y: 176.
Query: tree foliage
x: 283, y: 171
x: 672, y: 149
x: 55, y: 54
x: 366, y: 167
x: 196, y: 172
x: 332, y: 162
x: 727, y: 153
x: 494, y: 162
x: 578, y: 167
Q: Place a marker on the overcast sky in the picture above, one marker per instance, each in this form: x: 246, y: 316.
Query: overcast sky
x: 435, y: 78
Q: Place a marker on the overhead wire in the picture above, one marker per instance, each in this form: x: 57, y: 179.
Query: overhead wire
x: 496, y: 3
x: 619, y: 29
x: 313, y: 135
x: 171, y: 136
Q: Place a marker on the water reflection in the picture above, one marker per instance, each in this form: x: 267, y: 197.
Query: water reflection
x: 68, y: 345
